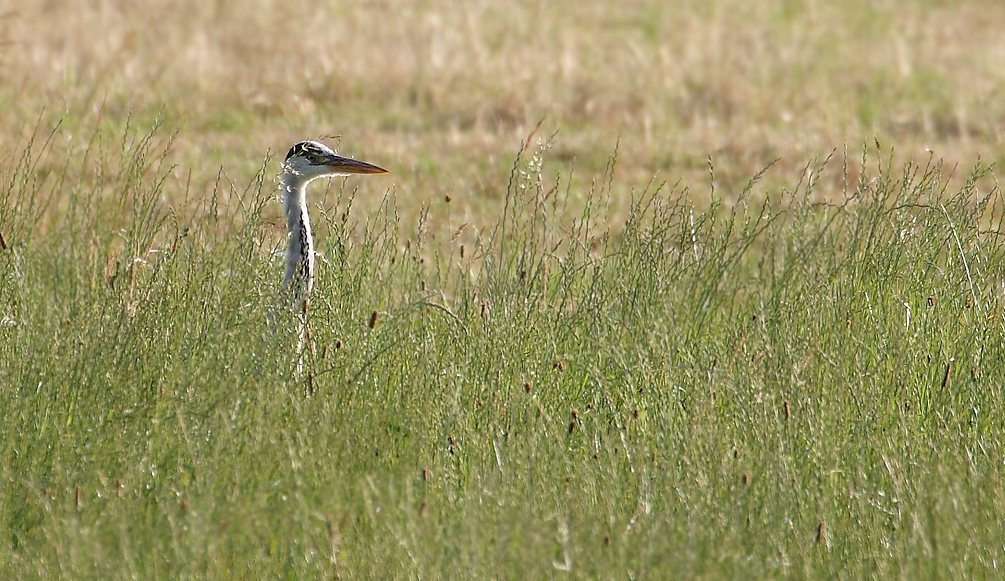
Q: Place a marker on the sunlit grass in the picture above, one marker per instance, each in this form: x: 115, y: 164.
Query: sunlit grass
x: 531, y: 357
x: 780, y: 386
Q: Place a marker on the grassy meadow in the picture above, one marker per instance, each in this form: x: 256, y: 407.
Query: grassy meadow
x: 709, y: 290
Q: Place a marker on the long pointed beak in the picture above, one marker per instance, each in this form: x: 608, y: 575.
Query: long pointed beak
x: 345, y: 166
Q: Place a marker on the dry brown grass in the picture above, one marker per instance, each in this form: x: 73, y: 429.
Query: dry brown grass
x: 443, y: 92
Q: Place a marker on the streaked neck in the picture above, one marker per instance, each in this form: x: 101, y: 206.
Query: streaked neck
x: 300, y: 250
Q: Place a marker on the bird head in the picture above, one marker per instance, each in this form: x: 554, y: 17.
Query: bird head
x: 310, y: 159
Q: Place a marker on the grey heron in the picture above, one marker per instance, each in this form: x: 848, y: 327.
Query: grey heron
x: 307, y: 161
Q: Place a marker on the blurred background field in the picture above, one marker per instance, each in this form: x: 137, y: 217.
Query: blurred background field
x: 576, y: 332
x: 443, y: 93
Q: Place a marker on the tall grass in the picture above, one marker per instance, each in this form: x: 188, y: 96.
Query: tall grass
x: 780, y: 387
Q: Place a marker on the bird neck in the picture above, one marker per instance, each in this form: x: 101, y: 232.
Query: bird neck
x: 300, y: 251
x: 294, y: 200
